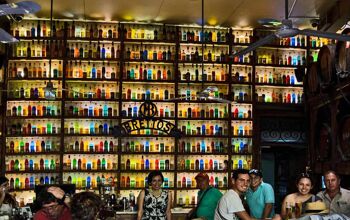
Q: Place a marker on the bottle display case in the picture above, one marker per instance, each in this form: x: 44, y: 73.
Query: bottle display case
x: 102, y: 73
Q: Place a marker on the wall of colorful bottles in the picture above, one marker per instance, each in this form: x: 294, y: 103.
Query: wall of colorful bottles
x: 104, y: 71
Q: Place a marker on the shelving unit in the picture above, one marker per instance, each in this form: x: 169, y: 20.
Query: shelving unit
x: 103, y: 72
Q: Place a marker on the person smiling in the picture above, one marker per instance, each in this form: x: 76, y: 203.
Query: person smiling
x: 304, y: 185
x: 230, y: 205
x: 154, y: 203
x: 260, y: 196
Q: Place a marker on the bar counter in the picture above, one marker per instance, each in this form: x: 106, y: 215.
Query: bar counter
x: 177, y: 214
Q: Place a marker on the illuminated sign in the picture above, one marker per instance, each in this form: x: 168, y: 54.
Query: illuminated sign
x: 146, y: 120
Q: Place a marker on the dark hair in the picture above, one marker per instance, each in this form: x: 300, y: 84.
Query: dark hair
x: 3, y: 180
x: 331, y: 171
x: 85, y: 206
x: 153, y: 174
x: 304, y: 175
x: 8, y: 199
x: 45, y: 197
x: 235, y: 173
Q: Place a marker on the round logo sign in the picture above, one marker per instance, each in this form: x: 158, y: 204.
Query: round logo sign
x: 148, y: 109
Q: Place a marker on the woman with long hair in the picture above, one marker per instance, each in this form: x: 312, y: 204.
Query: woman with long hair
x: 154, y: 203
x: 304, y: 184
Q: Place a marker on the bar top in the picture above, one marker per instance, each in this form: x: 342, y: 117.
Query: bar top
x: 174, y: 211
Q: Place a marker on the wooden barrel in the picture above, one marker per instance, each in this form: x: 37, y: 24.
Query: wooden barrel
x: 344, y: 138
x: 323, y: 141
x: 342, y: 57
x: 312, y: 80
x: 326, y: 63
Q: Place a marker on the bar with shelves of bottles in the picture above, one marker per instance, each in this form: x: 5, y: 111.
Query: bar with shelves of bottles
x: 32, y: 122
x: 103, y: 72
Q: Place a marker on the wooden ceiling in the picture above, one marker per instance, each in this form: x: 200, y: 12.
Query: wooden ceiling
x: 230, y: 13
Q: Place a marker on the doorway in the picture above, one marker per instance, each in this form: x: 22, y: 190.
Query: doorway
x: 281, y: 165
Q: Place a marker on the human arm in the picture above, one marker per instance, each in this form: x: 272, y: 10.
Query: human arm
x: 140, y: 199
x: 2, y: 194
x: 267, y: 210
x: 59, y: 194
x: 168, y: 209
x: 269, y: 196
x: 284, y: 207
x: 244, y: 215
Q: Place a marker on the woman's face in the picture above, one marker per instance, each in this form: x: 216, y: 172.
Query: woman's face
x: 304, y: 186
x: 156, y: 182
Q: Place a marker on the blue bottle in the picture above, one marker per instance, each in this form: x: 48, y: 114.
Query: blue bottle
x: 203, y: 129
x: 92, y: 128
x: 91, y: 111
x: 132, y: 73
x: 105, y: 128
x: 240, y: 164
x: 149, y: 74
x: 148, y: 94
x: 32, y: 31
x: 31, y: 165
x: 103, y: 52
x: 147, y: 146
x: 203, y: 146
x: 241, y: 147
x: 32, y: 146
x: 36, y: 93
x: 33, y: 111
x: 147, y: 164
x: 93, y: 72
x: 105, y: 110
x: 292, y: 80
x: 47, y: 180
x: 31, y: 182
x: 145, y: 55
x: 201, y: 164
x: 216, y: 130
x: 88, y: 182
x: 134, y: 111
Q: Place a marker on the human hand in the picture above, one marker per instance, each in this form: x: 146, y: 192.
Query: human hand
x: 56, y: 191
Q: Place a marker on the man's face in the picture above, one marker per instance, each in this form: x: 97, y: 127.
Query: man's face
x: 241, y: 184
x: 255, y: 181
x: 202, y: 183
x: 53, y: 209
x: 332, y: 182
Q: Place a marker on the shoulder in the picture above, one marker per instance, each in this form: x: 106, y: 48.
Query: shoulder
x: 266, y: 185
x: 345, y: 191
x: 290, y: 197
x: 231, y: 193
x: 215, y: 191
x: 39, y: 215
x: 320, y: 194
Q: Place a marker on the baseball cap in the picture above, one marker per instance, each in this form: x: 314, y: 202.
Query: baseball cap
x: 256, y: 172
x: 202, y: 175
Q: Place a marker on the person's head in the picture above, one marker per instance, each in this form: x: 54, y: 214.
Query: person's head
x: 155, y: 179
x: 304, y: 183
x: 240, y: 180
x: 202, y: 180
x: 49, y: 204
x: 85, y: 206
x: 256, y: 178
x: 4, y: 184
x: 332, y: 181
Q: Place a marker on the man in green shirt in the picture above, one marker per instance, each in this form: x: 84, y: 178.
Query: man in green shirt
x: 207, y: 199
